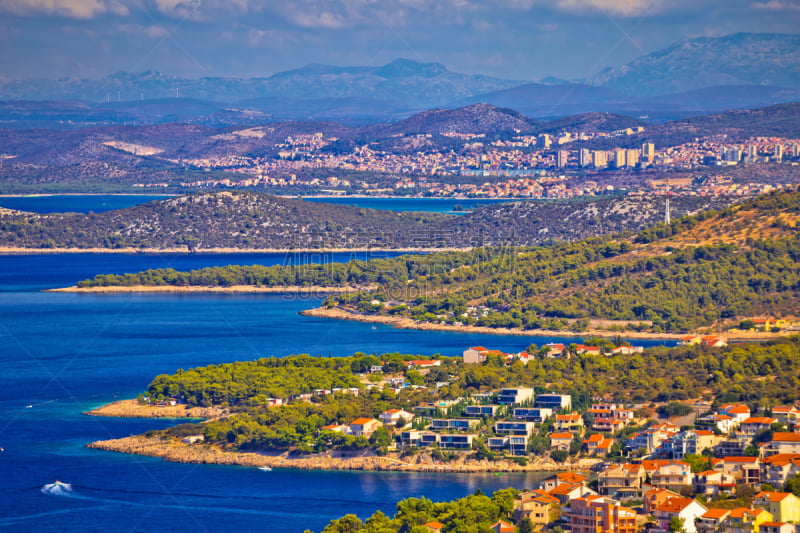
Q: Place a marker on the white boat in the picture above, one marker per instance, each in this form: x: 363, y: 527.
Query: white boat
x: 265, y: 468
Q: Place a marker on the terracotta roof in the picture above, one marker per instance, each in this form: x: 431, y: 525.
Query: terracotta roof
x: 703, y: 432
x: 540, y: 496
x: 739, y: 512
x: 782, y: 436
x: 736, y: 459
x: 772, y: 524
x: 772, y: 496
x: 503, y: 526
x: 759, y: 420
x: 736, y: 409
x: 782, y: 459
x: 674, y: 505
x: 434, y: 525
x: 716, y: 513
x: 569, y: 417
x: 571, y: 477
x: 564, y: 489
x: 362, y: 421
x: 561, y: 435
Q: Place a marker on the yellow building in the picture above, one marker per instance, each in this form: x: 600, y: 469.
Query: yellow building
x: 784, y: 506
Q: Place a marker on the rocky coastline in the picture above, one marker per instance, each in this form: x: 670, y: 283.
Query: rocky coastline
x: 175, y: 450
x: 339, y: 313
x: 135, y: 409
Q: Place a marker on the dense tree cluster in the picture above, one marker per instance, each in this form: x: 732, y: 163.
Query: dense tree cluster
x: 760, y: 374
x: 471, y: 514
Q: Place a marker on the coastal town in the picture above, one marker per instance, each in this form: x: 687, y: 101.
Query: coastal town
x: 536, y: 167
x: 693, y: 465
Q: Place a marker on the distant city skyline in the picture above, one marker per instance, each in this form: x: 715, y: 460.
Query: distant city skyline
x: 512, y: 39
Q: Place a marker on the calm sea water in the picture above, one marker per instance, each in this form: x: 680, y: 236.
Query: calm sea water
x: 80, y: 203
x: 62, y: 354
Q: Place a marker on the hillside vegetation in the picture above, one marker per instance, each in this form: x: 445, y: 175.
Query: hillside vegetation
x: 697, y: 272
x: 239, y: 220
x: 700, y: 271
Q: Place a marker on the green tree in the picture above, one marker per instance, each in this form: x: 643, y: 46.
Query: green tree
x: 346, y: 524
x: 676, y: 525
x: 525, y: 526
x: 793, y: 485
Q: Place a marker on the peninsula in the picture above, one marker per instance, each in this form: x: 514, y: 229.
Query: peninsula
x: 486, y: 411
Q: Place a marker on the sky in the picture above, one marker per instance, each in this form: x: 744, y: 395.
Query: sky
x: 512, y: 39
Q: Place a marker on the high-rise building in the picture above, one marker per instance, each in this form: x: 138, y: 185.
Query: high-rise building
x: 648, y: 152
x: 585, y: 158
x: 563, y: 158
x: 620, y: 159
x: 545, y: 141
x: 731, y: 154
x: 600, y: 158
x: 632, y: 157
x: 778, y: 153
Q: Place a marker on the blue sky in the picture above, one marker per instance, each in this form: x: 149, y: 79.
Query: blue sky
x: 515, y: 39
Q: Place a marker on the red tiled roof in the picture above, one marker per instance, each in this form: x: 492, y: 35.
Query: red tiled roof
x: 564, y: 488
x: 361, y: 421
x: 739, y: 512
x: 734, y: 459
x: 772, y: 496
x: 571, y: 477
x: 674, y: 505
x: 716, y: 513
x: 759, y: 420
x: 782, y: 436
x: 561, y: 435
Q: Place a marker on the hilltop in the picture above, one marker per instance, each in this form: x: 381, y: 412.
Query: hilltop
x: 246, y: 221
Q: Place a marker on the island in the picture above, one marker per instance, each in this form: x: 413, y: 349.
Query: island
x: 726, y: 273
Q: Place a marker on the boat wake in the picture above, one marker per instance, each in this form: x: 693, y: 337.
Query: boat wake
x: 57, y: 489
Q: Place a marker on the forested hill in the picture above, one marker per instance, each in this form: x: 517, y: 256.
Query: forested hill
x: 707, y: 270
x: 244, y: 220
x: 710, y: 270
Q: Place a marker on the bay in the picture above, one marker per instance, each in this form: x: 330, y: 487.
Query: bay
x: 62, y: 354
x: 98, y: 203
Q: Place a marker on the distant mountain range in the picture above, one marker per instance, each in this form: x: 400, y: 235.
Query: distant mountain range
x: 690, y: 77
x: 739, y: 59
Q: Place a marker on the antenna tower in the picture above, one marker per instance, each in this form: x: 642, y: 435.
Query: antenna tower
x: 667, y: 219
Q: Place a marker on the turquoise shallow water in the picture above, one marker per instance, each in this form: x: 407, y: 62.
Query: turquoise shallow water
x: 62, y: 354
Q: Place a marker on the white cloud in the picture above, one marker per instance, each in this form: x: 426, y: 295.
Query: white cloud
x: 79, y: 9
x: 153, y: 31
x: 617, y: 8
x: 777, y: 5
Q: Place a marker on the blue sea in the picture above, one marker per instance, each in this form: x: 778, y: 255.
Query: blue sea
x: 83, y: 203
x: 62, y: 354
